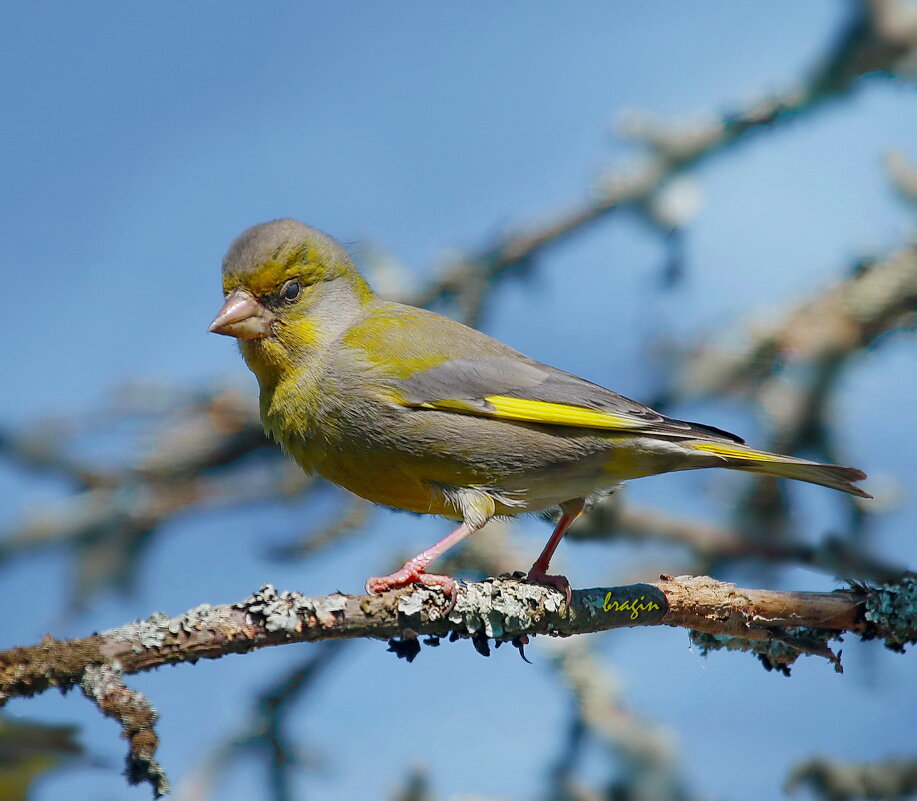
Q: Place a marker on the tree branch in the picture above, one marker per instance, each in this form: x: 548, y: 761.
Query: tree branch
x: 877, y: 40
x: 504, y: 609
x: 836, y: 780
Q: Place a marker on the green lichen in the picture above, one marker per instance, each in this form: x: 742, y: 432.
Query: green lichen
x: 892, y: 609
x: 159, y: 628
x: 282, y: 611
x: 414, y: 603
x: 104, y: 686
x: 291, y: 612
x: 777, y: 653
x: 513, y: 608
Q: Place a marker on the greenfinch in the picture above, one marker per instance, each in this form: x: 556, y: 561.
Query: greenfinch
x: 415, y: 411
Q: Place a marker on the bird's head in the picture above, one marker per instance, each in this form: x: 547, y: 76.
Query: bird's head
x: 289, y: 289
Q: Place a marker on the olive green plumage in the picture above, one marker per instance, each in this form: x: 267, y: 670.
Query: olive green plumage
x: 413, y: 410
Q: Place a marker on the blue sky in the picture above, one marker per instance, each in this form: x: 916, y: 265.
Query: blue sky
x: 138, y: 141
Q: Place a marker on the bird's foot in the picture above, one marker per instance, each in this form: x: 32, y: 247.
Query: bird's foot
x: 558, y: 582
x: 411, y: 574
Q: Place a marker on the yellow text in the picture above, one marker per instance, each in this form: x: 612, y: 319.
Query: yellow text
x: 635, y: 607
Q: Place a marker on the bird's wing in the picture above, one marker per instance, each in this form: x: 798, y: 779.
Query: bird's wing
x: 514, y: 387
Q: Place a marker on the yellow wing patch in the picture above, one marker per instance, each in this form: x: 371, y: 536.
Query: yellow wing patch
x: 533, y: 411
x: 732, y: 452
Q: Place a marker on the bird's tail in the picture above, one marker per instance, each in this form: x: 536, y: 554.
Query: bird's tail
x: 739, y: 457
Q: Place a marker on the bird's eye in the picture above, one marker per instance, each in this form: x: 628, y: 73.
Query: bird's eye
x: 291, y: 291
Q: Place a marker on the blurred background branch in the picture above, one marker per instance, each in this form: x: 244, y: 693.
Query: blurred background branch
x: 178, y: 453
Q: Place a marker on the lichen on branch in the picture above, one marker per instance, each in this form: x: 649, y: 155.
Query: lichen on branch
x: 505, y: 609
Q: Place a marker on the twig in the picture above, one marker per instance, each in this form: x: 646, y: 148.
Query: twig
x: 879, y: 36
x: 616, y: 519
x: 834, y: 780
x: 853, y: 314
x: 650, y: 766
x: 265, y: 733
x: 102, y: 685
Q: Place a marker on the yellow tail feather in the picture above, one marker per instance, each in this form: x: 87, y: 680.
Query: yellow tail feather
x: 834, y: 476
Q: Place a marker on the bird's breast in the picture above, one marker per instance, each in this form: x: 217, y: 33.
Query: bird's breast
x: 399, y: 484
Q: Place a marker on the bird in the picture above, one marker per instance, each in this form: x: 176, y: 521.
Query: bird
x: 415, y: 411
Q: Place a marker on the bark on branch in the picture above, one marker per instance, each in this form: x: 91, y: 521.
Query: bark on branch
x: 501, y: 609
x: 504, y: 609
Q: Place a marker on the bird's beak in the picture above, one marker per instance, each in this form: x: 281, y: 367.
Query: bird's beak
x: 243, y: 316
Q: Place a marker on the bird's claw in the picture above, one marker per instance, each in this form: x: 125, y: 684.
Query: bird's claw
x: 412, y: 575
x: 558, y: 582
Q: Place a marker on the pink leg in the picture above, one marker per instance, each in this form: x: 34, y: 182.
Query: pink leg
x: 539, y: 572
x: 413, y: 570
